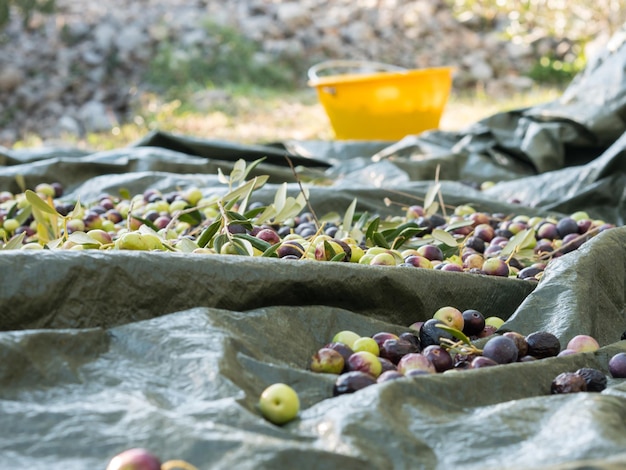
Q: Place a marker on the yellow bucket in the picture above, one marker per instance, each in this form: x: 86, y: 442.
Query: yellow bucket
x: 375, y: 101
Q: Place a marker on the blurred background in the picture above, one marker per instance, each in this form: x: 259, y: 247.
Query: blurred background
x: 101, y: 75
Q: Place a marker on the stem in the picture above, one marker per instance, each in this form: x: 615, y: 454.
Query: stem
x: 317, y: 222
x: 439, y: 195
x: 588, y: 233
x: 224, y: 227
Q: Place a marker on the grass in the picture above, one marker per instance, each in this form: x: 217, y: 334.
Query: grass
x: 257, y: 115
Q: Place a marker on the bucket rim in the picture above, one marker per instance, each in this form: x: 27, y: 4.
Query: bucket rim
x: 355, y: 77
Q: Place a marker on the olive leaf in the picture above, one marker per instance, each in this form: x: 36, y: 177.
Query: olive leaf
x: 221, y: 177
x: 125, y: 193
x: 252, y: 166
x: 444, y: 237
x: 191, y: 217
x: 239, y: 171
x: 81, y: 238
x: 280, y: 198
x: 372, y: 228
x: 292, y: 207
x: 348, y: 216
x: 22, y: 215
x: 251, y: 185
x: 432, y: 209
x: 38, y: 203
x: 145, y: 222
x: 257, y: 243
x: 218, y: 242
x: 329, y: 251
x: 15, y: 243
x: 76, y: 210
x: 13, y: 210
x: 454, y: 332
x: 380, y: 240
x: 520, y: 240
x: 268, y: 213
x: 431, y: 194
x: 21, y: 182
x: 458, y: 224
x: 405, y: 235
x: 242, y: 246
x: 339, y: 257
x: 185, y: 245
x: 271, y: 251
x: 209, y: 232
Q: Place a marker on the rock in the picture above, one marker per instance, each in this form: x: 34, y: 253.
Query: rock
x: 68, y: 125
x: 481, y: 70
x: 95, y: 117
x: 10, y: 78
x: 293, y: 15
x: 86, y: 57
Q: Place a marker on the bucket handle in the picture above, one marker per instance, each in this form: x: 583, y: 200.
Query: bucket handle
x: 364, y: 65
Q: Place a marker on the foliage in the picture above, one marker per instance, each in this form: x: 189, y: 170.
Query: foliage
x: 568, y: 25
x: 25, y: 8
x: 228, y: 58
x: 549, y: 69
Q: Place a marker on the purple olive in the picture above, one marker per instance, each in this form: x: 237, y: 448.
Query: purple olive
x: 134, y: 459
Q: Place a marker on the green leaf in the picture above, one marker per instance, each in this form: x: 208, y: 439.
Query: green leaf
x: 268, y: 213
x: 257, y: 243
x: 192, y: 217
x: 125, y: 193
x: 253, y: 184
x: 21, y: 182
x: 185, y: 245
x: 239, y: 171
x: 431, y: 194
x: 329, y: 251
x: 23, y: 214
x: 234, y: 215
x: 339, y: 257
x: 77, y: 209
x: 243, y: 247
x: 39, y: 203
x: 520, y: 240
x: 372, y: 228
x: 526, y: 254
x: 44, y: 223
x: 218, y: 242
x: 280, y: 198
x: 444, y: 237
x: 52, y: 244
x: 392, y: 233
x: 290, y: 210
x: 271, y: 251
x: 405, y: 236
x: 145, y: 222
x: 15, y: 243
x: 380, y: 240
x: 221, y: 178
x: 348, y: 217
x: 253, y: 165
x: 13, y: 210
x: 208, y: 233
x: 454, y: 332
x: 252, y: 213
x: 432, y: 209
x: 458, y: 224
x: 362, y: 220
x: 81, y: 238
x: 244, y: 201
